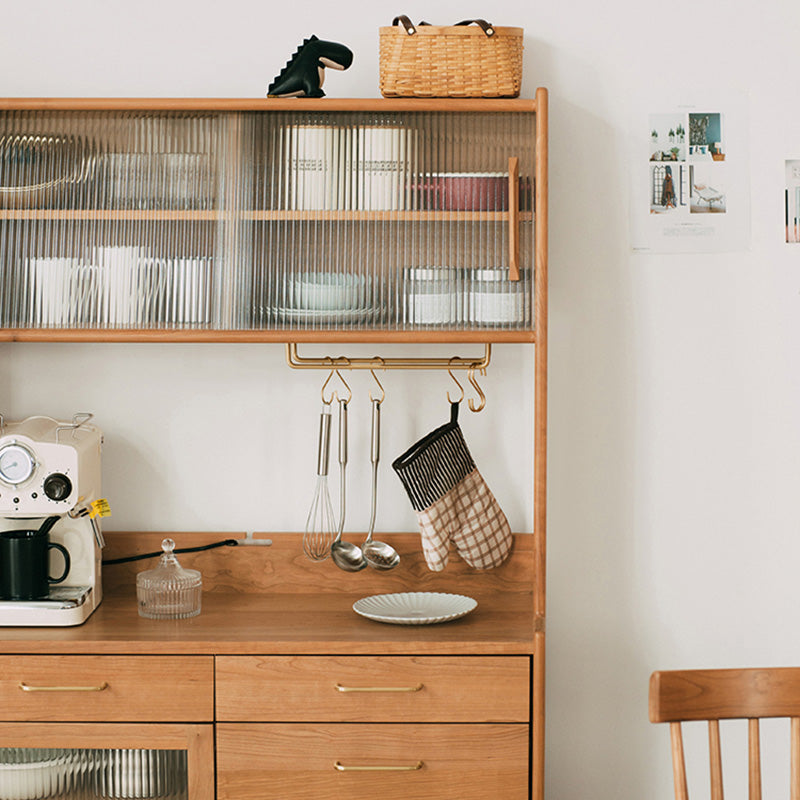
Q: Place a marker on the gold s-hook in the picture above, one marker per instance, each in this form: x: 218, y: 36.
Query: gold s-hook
x: 346, y: 386
x: 380, y: 386
x: 450, y: 399
x: 322, y: 391
x: 478, y: 389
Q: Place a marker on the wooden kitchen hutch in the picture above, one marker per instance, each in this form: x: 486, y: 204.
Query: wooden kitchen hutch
x: 287, y: 221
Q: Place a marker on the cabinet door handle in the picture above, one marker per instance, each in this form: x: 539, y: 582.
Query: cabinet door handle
x: 417, y: 688
x: 26, y: 688
x: 381, y: 768
x: 513, y: 218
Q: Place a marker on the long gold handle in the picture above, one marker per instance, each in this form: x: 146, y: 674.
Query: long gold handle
x: 25, y: 688
x: 382, y: 768
x: 417, y: 688
x: 513, y: 218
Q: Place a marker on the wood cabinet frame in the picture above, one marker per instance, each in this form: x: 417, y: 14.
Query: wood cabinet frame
x: 196, y: 740
x: 195, y: 736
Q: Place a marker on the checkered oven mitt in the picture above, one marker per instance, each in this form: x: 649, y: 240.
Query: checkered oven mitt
x: 452, y: 501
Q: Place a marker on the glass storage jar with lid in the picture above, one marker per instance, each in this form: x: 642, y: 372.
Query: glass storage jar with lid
x: 169, y: 591
x: 496, y: 300
x: 433, y: 295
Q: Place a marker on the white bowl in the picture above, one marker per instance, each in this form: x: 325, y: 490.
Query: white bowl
x: 328, y: 291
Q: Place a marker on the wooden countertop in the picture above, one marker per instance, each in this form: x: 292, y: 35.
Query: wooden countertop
x: 271, y: 600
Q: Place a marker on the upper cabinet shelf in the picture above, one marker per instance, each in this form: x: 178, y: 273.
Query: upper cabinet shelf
x: 272, y: 220
x: 216, y: 215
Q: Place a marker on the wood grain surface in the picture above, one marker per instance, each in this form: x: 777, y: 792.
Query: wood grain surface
x: 373, y: 689
x: 274, y: 601
x: 296, y: 762
x: 98, y: 689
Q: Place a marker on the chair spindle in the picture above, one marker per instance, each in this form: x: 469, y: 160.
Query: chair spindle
x: 795, y: 760
x: 715, y: 756
x: 754, y: 759
x: 678, y: 764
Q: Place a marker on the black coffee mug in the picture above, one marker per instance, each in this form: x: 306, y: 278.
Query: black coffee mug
x: 25, y: 564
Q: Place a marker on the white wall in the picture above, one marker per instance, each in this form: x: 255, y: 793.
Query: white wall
x: 674, y: 388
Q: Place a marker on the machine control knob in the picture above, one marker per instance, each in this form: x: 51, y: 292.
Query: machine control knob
x: 57, y: 486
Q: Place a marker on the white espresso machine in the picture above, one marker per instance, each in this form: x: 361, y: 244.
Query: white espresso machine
x: 49, y: 467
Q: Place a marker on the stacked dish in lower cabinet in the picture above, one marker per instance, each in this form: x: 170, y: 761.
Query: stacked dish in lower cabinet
x: 360, y: 727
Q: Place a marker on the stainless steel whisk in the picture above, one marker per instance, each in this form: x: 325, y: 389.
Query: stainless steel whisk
x: 321, y: 521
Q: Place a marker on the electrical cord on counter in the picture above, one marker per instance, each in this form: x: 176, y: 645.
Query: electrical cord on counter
x: 142, y: 556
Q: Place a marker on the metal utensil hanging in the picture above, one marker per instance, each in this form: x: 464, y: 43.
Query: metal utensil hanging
x: 378, y: 555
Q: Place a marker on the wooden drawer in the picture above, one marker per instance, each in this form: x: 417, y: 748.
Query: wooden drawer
x: 107, y: 688
x: 362, y: 762
x: 373, y: 689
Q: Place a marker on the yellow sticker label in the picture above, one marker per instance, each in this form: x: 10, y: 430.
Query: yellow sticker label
x: 100, y: 508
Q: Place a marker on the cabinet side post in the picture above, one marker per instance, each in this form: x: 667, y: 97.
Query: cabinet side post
x: 201, y: 760
x: 540, y: 411
x: 540, y: 447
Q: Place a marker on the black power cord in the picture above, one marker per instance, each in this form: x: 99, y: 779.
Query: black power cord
x: 142, y: 556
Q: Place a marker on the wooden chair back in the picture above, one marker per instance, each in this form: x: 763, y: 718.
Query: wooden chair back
x: 714, y: 694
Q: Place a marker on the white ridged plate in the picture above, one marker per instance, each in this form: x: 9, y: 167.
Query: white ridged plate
x: 414, y: 608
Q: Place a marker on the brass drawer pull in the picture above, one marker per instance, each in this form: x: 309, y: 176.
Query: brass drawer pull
x: 25, y: 688
x: 403, y: 768
x: 417, y: 688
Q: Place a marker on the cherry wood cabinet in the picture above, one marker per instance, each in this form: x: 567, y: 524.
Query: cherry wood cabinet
x: 297, y: 690
x: 241, y: 220
x: 215, y: 239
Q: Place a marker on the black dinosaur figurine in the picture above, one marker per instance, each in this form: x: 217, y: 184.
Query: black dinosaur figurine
x: 304, y: 72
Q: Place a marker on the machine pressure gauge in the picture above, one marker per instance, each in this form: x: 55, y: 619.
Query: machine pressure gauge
x: 16, y: 464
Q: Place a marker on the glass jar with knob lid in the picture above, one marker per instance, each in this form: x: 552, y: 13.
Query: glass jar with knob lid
x: 168, y: 591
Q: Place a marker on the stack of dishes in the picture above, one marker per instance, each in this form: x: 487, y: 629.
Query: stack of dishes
x: 42, y: 170
x: 32, y: 773
x: 158, y: 180
x: 326, y: 297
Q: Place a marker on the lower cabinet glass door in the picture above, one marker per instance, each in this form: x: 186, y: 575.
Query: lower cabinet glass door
x: 117, y: 762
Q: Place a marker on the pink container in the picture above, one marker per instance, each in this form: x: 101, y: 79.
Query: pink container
x: 465, y: 191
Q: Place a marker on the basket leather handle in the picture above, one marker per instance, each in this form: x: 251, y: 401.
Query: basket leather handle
x: 485, y: 26
x: 407, y: 24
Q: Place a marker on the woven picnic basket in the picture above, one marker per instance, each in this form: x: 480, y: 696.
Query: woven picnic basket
x: 461, y: 60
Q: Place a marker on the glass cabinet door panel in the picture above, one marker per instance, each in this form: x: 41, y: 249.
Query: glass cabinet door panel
x: 117, y: 761
x: 392, y: 221
x: 78, y: 774
x: 248, y: 220
x: 113, y: 219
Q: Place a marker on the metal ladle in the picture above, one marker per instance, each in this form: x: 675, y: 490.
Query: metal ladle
x: 378, y: 555
x: 345, y: 555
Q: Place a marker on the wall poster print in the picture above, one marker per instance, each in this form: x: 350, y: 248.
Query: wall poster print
x: 689, y: 179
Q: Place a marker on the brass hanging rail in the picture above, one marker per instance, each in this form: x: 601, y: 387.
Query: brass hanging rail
x: 296, y: 361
